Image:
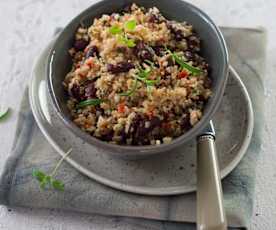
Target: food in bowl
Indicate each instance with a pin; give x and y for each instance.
(137, 78)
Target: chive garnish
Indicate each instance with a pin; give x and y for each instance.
(95, 101)
(149, 63)
(142, 76)
(184, 65)
(5, 113)
(152, 82)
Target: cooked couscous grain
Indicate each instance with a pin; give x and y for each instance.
(137, 78)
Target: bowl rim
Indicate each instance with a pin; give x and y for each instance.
(143, 149)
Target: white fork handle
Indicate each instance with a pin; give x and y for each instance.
(210, 210)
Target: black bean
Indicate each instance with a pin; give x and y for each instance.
(170, 62)
(155, 18)
(209, 69)
(169, 25)
(158, 50)
(92, 51)
(90, 90)
(141, 129)
(142, 51)
(124, 136)
(127, 8)
(107, 137)
(146, 55)
(137, 128)
(194, 43)
(201, 100)
(76, 93)
(120, 67)
(207, 83)
(155, 122)
(122, 49)
(158, 136)
(80, 44)
(205, 66)
(138, 131)
(135, 122)
(178, 35)
(145, 141)
(198, 60)
(185, 122)
(189, 55)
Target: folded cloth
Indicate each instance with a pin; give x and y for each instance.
(31, 150)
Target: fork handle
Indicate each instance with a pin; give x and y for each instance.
(210, 210)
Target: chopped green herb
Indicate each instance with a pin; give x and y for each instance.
(122, 37)
(130, 43)
(149, 63)
(115, 30)
(184, 65)
(46, 180)
(130, 25)
(143, 73)
(149, 90)
(88, 102)
(142, 76)
(126, 41)
(58, 185)
(4, 114)
(195, 92)
(152, 82)
(39, 175)
(131, 91)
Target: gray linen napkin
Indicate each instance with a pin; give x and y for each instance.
(31, 150)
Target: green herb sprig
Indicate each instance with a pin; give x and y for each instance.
(121, 35)
(184, 65)
(48, 180)
(132, 90)
(94, 101)
(4, 114)
(126, 41)
(142, 76)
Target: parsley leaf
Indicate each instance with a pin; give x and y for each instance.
(130, 43)
(122, 37)
(39, 175)
(4, 114)
(48, 181)
(130, 25)
(58, 185)
(126, 41)
(115, 30)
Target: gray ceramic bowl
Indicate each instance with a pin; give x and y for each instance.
(213, 50)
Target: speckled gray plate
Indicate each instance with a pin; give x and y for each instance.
(168, 174)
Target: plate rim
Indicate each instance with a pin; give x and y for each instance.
(176, 190)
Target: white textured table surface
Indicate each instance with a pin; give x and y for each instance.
(25, 28)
